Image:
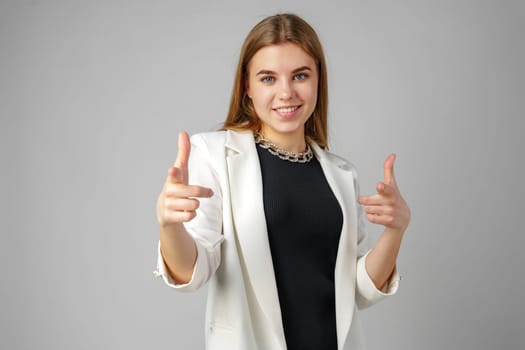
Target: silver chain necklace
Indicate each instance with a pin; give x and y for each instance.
(294, 157)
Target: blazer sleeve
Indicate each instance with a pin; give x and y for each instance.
(206, 227)
(367, 293)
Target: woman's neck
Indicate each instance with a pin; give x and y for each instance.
(292, 142)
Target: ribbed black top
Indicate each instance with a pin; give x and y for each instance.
(304, 223)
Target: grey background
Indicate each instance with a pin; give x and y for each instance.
(93, 94)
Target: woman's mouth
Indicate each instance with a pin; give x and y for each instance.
(287, 111)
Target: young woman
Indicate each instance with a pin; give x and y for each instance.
(269, 218)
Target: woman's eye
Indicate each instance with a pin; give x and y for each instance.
(300, 76)
(267, 79)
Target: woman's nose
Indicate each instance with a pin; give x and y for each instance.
(286, 91)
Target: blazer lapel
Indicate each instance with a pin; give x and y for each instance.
(246, 192)
(338, 173)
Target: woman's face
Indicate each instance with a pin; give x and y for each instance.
(282, 83)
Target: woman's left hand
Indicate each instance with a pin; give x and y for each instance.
(387, 207)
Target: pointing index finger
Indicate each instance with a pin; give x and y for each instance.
(183, 155)
(184, 150)
(388, 168)
(175, 175)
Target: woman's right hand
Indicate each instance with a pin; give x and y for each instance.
(178, 201)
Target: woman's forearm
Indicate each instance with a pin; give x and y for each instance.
(381, 260)
(178, 251)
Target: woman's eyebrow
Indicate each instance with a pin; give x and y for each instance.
(265, 72)
(301, 69)
(269, 72)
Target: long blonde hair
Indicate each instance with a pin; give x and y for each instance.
(274, 30)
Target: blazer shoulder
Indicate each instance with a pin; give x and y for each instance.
(209, 137)
(342, 162)
(209, 142)
(335, 159)
(216, 141)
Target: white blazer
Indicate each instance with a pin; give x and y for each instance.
(233, 252)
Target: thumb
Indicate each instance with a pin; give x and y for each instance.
(388, 168)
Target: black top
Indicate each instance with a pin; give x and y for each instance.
(304, 223)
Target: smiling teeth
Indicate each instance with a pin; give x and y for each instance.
(286, 110)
